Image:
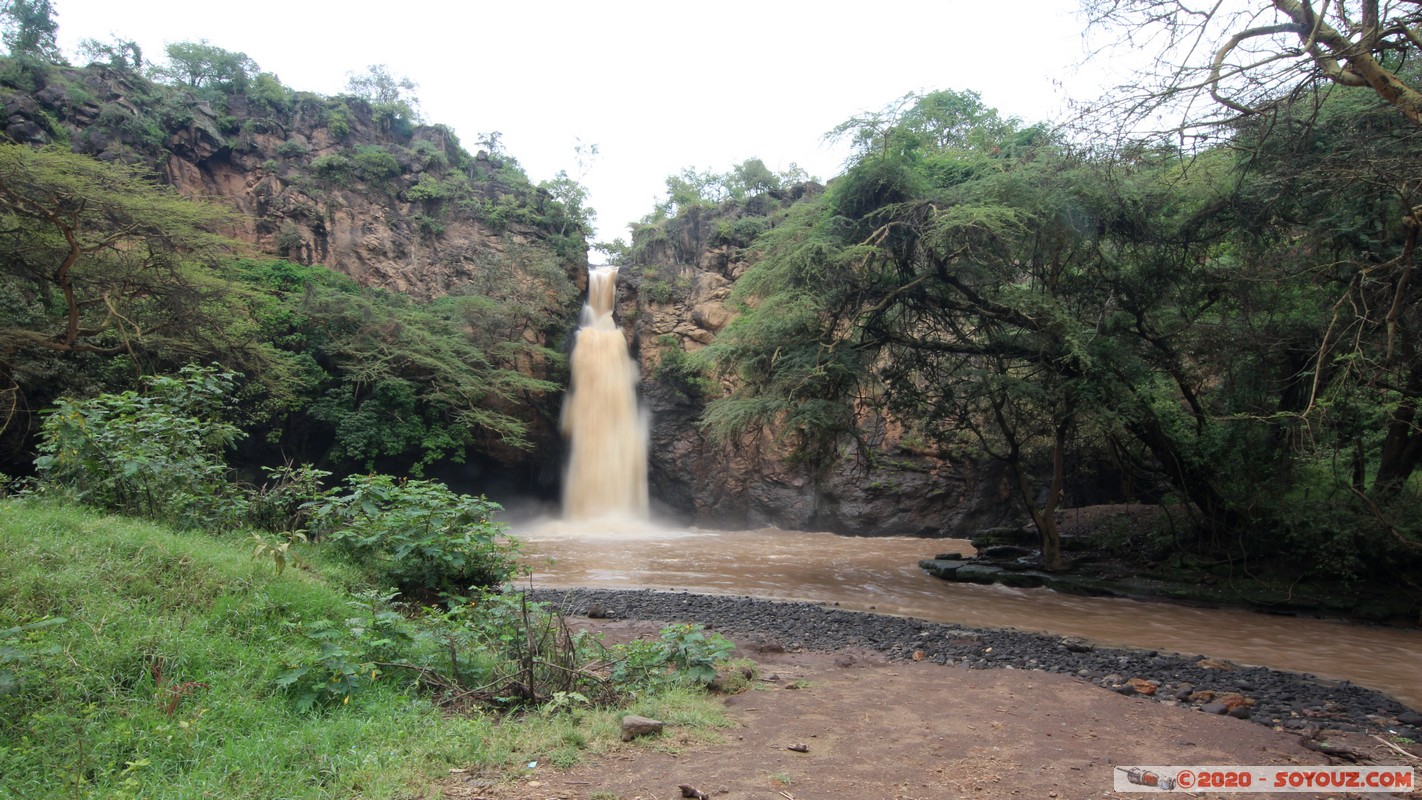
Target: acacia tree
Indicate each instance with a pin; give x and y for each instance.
(1248, 54)
(1324, 99)
(205, 66)
(96, 260)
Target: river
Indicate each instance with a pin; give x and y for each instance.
(882, 575)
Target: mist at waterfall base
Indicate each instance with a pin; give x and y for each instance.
(605, 538)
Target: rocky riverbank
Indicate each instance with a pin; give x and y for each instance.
(1109, 553)
(1279, 699)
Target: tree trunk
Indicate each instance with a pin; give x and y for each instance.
(1402, 447)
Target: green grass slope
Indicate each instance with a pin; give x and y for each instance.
(158, 684)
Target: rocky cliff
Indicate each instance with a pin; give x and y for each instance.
(340, 181)
(350, 183)
(675, 301)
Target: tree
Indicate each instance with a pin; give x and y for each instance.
(1248, 54)
(206, 66)
(30, 30)
(98, 261)
(122, 53)
(377, 85)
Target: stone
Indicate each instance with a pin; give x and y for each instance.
(1233, 700)
(1215, 663)
(634, 726)
(1410, 718)
(1143, 686)
(1076, 644)
(1215, 708)
(1239, 712)
(1184, 691)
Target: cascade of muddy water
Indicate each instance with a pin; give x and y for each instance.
(605, 424)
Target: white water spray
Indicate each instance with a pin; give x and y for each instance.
(605, 425)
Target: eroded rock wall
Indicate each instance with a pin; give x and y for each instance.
(675, 300)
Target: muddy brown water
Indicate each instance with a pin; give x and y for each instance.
(882, 575)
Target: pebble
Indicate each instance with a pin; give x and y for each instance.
(816, 627)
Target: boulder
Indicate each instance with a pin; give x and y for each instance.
(634, 726)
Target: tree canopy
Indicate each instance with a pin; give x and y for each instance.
(1003, 292)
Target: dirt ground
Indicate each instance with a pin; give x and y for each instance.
(878, 730)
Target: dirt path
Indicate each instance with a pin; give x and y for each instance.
(879, 730)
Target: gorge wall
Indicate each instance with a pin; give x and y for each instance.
(355, 185)
(675, 303)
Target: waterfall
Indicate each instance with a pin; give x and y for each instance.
(602, 419)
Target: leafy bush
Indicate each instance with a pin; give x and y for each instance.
(417, 534)
(678, 369)
(375, 163)
(332, 165)
(694, 652)
(292, 148)
(155, 455)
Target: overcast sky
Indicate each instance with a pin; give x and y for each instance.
(658, 86)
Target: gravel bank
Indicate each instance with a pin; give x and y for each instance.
(1284, 699)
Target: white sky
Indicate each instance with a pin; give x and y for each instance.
(658, 86)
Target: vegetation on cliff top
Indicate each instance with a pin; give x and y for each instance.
(112, 277)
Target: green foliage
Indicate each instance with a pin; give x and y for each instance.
(160, 683)
(118, 53)
(332, 166)
(694, 652)
(291, 148)
(677, 369)
(18, 645)
(30, 30)
(417, 534)
(268, 95)
(207, 67)
(374, 163)
(158, 454)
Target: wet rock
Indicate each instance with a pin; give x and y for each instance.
(1239, 712)
(1006, 552)
(1410, 718)
(634, 726)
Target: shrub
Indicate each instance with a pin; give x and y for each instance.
(332, 165)
(375, 163)
(292, 148)
(156, 454)
(417, 534)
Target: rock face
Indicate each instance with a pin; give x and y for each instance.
(334, 181)
(349, 184)
(676, 295)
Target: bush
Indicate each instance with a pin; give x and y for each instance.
(156, 454)
(375, 163)
(292, 148)
(417, 534)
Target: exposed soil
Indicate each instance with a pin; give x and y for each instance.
(874, 728)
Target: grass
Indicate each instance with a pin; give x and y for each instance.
(159, 683)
